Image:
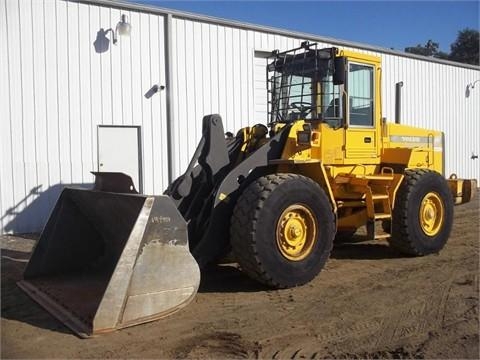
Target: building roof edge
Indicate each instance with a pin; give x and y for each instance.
(248, 26)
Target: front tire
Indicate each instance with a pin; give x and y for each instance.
(282, 230)
(423, 214)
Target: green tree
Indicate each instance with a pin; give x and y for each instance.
(429, 49)
(465, 48)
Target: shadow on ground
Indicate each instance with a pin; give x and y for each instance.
(227, 279)
(358, 248)
(16, 305)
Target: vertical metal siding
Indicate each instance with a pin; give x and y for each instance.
(56, 89)
(434, 97)
(6, 172)
(214, 73)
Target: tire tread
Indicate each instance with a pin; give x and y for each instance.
(245, 219)
(401, 237)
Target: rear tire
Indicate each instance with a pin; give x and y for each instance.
(282, 230)
(423, 214)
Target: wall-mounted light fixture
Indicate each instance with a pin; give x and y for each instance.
(123, 28)
(470, 87)
(102, 42)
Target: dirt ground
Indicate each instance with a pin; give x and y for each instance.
(369, 302)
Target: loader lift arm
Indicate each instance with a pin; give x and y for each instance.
(206, 193)
(193, 191)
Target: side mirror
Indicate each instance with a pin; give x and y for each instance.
(339, 71)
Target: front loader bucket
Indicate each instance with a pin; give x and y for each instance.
(109, 260)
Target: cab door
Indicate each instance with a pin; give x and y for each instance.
(360, 135)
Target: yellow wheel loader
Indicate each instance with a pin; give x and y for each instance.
(326, 164)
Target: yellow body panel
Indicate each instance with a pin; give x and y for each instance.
(413, 147)
(356, 56)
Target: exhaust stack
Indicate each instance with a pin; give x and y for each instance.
(398, 102)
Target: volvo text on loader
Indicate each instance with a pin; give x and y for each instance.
(277, 195)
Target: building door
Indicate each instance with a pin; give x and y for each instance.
(260, 87)
(119, 150)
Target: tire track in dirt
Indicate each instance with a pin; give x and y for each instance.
(221, 345)
(410, 323)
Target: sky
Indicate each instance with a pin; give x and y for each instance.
(390, 24)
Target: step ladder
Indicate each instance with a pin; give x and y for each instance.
(376, 199)
(378, 209)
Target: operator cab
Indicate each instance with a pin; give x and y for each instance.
(331, 89)
(309, 83)
(306, 83)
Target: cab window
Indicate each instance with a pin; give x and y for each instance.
(360, 94)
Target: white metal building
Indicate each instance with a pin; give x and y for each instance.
(72, 102)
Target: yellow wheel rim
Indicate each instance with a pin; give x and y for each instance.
(432, 214)
(296, 232)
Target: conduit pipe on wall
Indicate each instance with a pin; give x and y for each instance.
(169, 93)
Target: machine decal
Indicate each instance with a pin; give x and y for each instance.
(416, 141)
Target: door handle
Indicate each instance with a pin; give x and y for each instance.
(367, 140)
